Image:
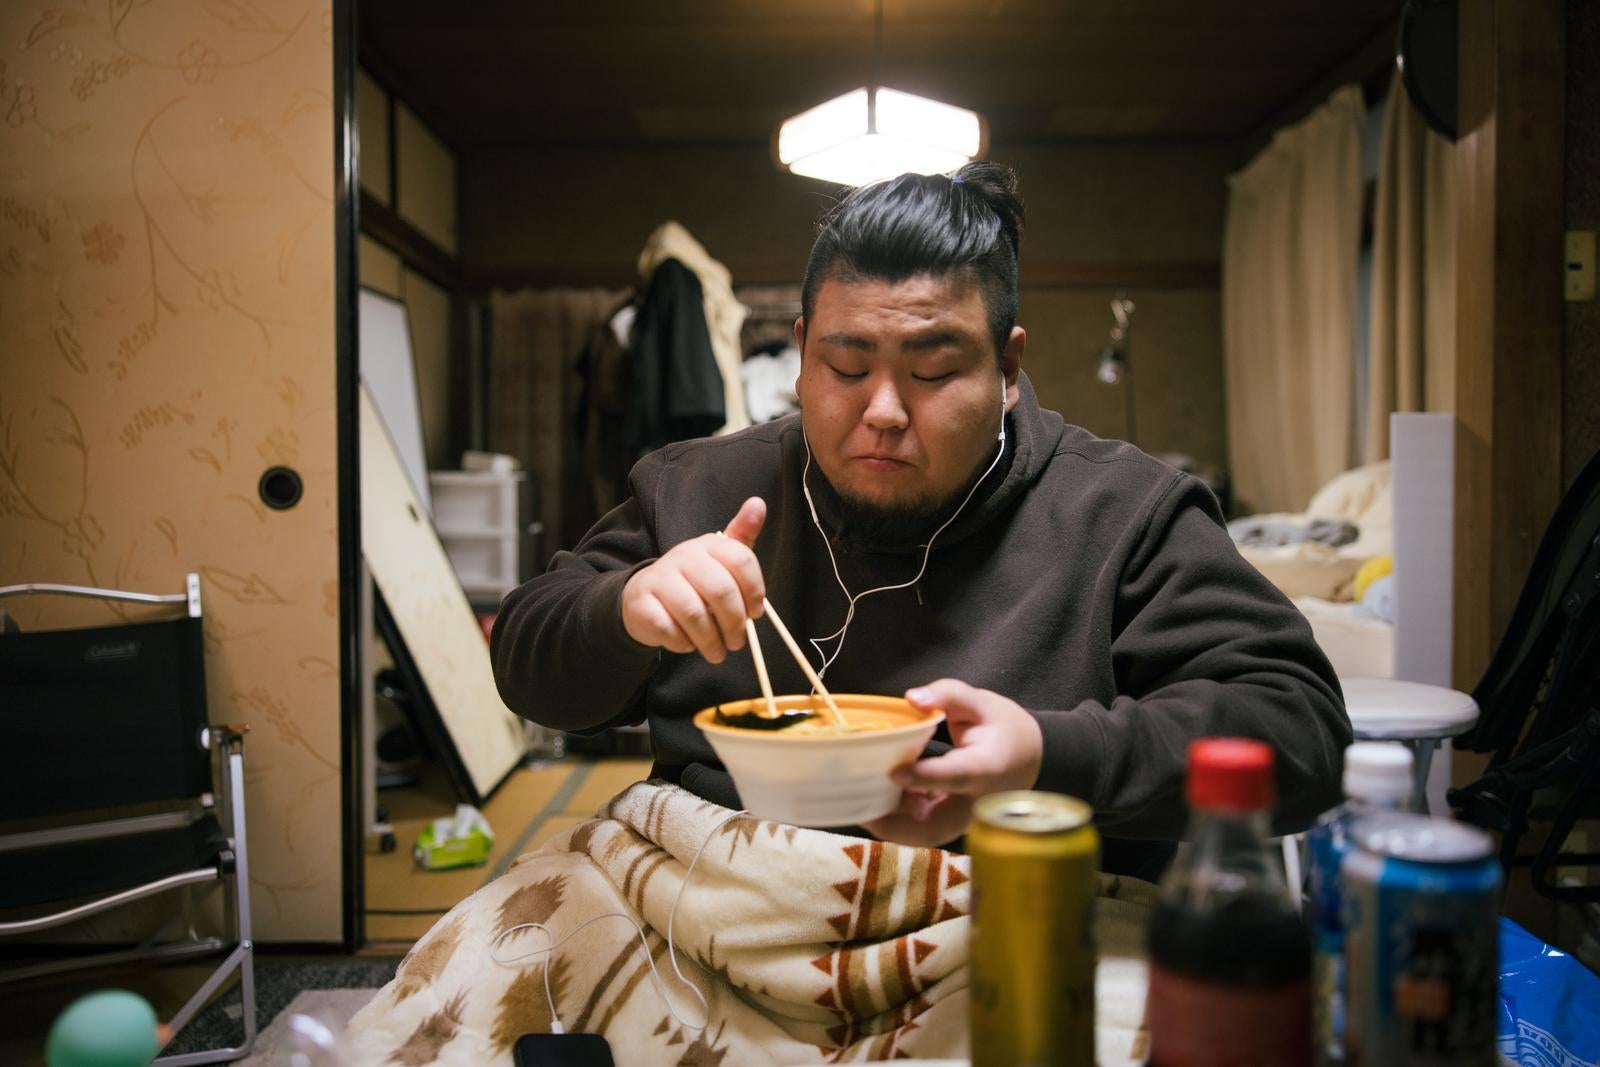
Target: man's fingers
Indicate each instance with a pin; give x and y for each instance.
(689, 611)
(668, 634)
(746, 526)
(721, 595)
(742, 564)
(961, 770)
(958, 700)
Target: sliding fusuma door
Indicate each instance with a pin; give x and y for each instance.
(170, 362)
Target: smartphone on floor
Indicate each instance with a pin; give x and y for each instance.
(562, 1050)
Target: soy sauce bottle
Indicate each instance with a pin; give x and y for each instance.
(1230, 958)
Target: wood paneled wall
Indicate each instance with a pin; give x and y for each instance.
(1510, 165)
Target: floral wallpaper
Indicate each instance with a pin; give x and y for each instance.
(166, 335)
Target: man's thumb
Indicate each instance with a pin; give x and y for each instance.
(746, 526)
(949, 695)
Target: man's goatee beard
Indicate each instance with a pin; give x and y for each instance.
(900, 525)
(893, 524)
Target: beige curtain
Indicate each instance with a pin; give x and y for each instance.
(1411, 346)
(536, 338)
(1289, 307)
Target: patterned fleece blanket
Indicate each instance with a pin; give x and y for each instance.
(809, 947)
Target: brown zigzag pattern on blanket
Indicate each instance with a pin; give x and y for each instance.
(845, 991)
(432, 1034)
(873, 893)
(524, 1009)
(652, 812)
(877, 890)
(678, 1036)
(743, 829)
(534, 903)
(883, 1046)
(903, 970)
(427, 959)
(582, 835)
(891, 1004)
(622, 838)
(708, 963)
(922, 889)
(600, 987)
(650, 865)
(866, 1017)
(704, 1053)
(658, 948)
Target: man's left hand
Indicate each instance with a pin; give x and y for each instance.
(998, 746)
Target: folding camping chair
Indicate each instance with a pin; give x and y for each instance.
(1540, 702)
(93, 722)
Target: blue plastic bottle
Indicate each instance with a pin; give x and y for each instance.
(1377, 777)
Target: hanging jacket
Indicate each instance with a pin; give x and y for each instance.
(675, 389)
(724, 313)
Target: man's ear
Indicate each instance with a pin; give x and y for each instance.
(800, 343)
(1011, 363)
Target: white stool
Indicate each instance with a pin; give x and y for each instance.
(1418, 715)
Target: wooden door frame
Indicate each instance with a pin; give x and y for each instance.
(1510, 172)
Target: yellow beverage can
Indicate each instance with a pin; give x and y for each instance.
(1034, 857)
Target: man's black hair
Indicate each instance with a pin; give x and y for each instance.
(966, 224)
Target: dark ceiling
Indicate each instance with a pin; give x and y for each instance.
(625, 72)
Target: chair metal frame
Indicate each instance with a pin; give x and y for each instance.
(226, 744)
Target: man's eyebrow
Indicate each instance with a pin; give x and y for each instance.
(849, 340)
(931, 340)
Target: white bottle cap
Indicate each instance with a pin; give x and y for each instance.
(1377, 770)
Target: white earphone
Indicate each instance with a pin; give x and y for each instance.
(1002, 410)
(552, 943)
(850, 609)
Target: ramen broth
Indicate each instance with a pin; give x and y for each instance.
(854, 723)
(813, 722)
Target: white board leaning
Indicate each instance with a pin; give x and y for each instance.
(389, 371)
(424, 598)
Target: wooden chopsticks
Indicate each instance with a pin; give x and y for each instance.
(799, 657)
(761, 667)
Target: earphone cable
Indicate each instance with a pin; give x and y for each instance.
(853, 599)
(655, 974)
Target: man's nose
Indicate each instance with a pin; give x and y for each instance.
(885, 410)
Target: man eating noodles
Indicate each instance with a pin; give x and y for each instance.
(1074, 606)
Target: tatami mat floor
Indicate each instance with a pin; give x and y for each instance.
(403, 900)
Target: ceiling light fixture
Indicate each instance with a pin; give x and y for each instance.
(875, 132)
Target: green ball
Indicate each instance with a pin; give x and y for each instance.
(111, 1028)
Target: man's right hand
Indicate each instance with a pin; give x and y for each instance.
(698, 596)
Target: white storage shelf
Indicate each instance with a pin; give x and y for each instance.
(476, 515)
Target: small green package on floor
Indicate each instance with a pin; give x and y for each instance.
(463, 840)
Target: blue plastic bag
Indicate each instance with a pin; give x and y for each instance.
(1549, 1004)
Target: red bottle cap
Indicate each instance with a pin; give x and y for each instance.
(1230, 774)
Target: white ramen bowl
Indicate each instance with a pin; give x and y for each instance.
(825, 778)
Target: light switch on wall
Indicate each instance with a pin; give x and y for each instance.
(1580, 265)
